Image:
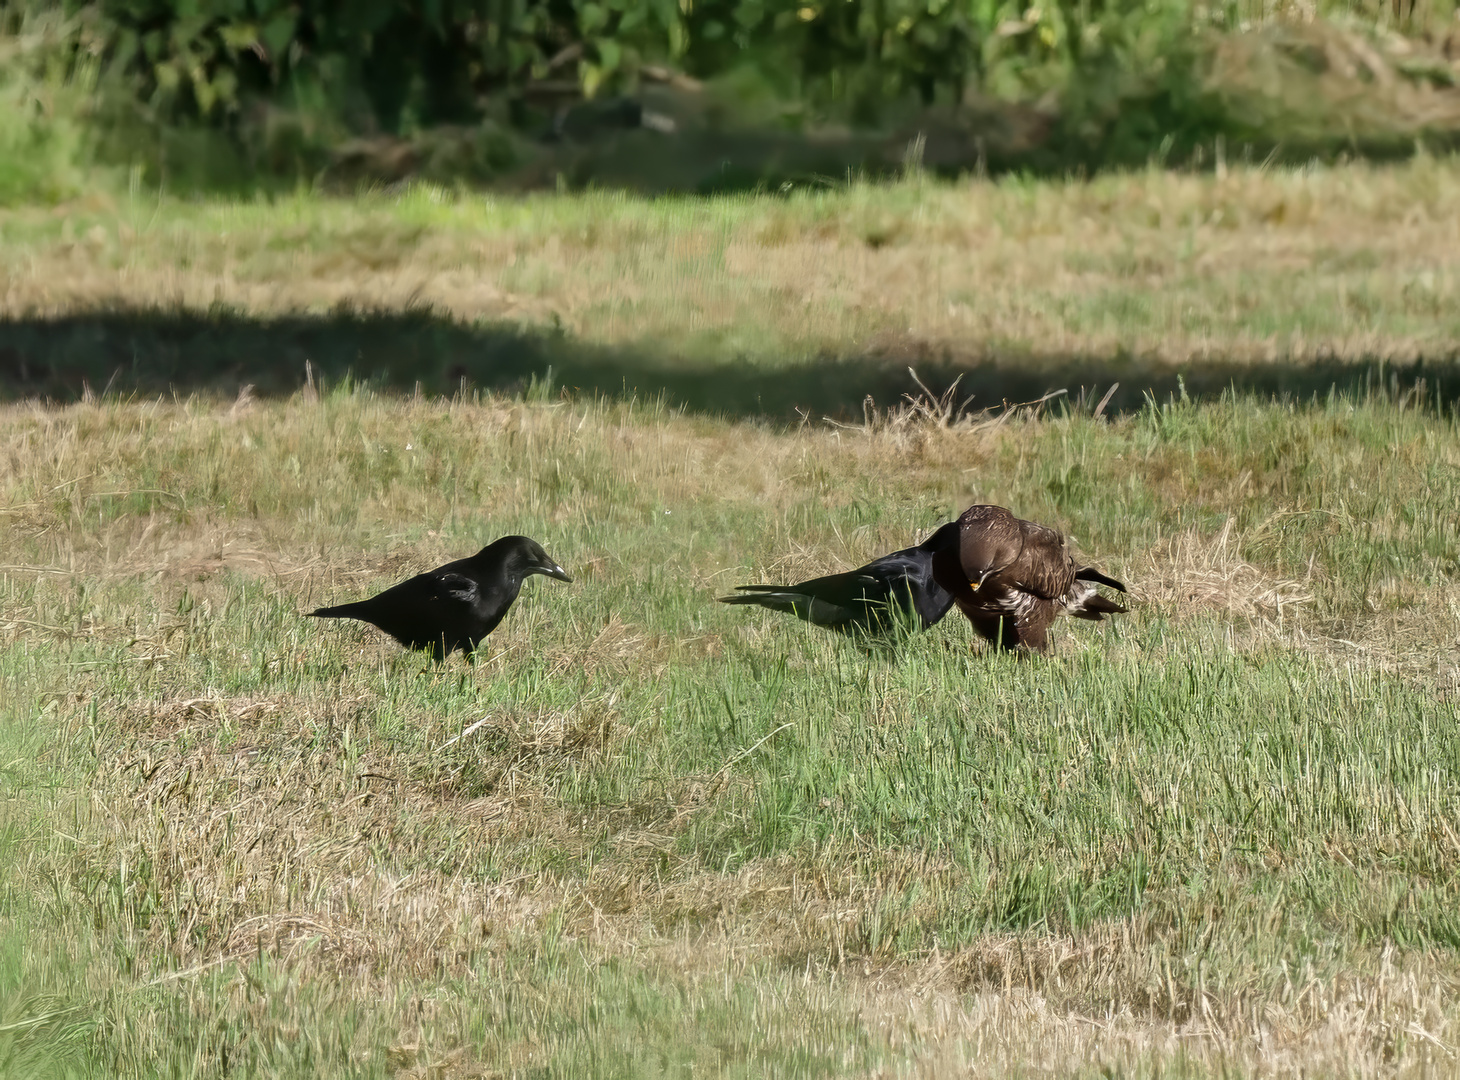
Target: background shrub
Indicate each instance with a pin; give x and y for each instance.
(224, 89)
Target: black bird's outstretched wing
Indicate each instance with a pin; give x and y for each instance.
(838, 601)
(869, 599)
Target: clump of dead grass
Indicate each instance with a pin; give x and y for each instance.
(909, 422)
(1191, 571)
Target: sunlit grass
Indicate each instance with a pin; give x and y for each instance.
(687, 836)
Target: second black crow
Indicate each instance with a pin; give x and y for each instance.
(871, 599)
(456, 605)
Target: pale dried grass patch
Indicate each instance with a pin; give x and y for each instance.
(411, 1061)
(1403, 1028)
(800, 561)
(382, 928)
(619, 647)
(1196, 572)
(200, 553)
(1038, 1003)
(527, 740)
(290, 936)
(908, 423)
(267, 846)
(1420, 643)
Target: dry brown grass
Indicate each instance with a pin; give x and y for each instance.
(1210, 572)
(1355, 262)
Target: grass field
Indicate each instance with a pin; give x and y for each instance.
(646, 834)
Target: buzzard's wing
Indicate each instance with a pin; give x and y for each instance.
(1012, 578)
(1032, 631)
(1044, 567)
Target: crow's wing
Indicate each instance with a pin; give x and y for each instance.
(423, 610)
(907, 576)
(450, 587)
(863, 598)
(858, 599)
(813, 601)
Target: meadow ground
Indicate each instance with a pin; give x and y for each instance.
(646, 834)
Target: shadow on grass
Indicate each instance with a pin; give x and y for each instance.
(149, 353)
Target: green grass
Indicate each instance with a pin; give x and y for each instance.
(646, 834)
(1214, 835)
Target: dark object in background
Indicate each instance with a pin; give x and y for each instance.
(584, 120)
(456, 605)
(1013, 578)
(871, 599)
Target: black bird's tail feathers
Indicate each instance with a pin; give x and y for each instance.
(775, 597)
(339, 611)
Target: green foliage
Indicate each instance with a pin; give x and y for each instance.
(398, 65)
(218, 92)
(43, 131)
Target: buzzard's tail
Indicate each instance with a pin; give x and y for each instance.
(1089, 573)
(1085, 602)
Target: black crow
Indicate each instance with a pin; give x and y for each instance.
(456, 605)
(871, 599)
(1013, 578)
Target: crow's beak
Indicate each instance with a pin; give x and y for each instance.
(553, 570)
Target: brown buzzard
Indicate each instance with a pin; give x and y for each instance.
(1013, 578)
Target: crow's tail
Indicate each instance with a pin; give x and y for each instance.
(775, 597)
(339, 611)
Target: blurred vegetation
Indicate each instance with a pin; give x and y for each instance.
(228, 93)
